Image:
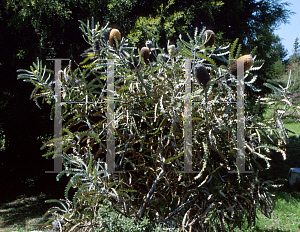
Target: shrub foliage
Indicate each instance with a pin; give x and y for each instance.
(151, 189)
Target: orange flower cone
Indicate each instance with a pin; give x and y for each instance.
(114, 32)
(248, 62)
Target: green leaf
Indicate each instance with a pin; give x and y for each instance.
(173, 158)
(90, 165)
(294, 86)
(238, 51)
(95, 175)
(233, 46)
(207, 58)
(158, 127)
(56, 201)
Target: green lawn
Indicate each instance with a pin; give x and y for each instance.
(286, 216)
(295, 127)
(289, 123)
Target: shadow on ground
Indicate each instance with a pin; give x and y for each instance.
(24, 213)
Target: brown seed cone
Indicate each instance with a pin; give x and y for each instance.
(208, 38)
(248, 62)
(145, 53)
(201, 74)
(112, 39)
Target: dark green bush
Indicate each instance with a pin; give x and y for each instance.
(149, 140)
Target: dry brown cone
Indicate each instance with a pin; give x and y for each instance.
(208, 38)
(248, 62)
(145, 53)
(114, 32)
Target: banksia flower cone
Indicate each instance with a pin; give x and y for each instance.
(145, 53)
(248, 62)
(171, 49)
(114, 32)
(208, 38)
(201, 74)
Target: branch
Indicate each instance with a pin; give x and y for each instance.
(150, 193)
(180, 208)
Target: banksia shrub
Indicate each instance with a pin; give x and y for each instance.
(151, 184)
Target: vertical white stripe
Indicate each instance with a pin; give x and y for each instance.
(110, 156)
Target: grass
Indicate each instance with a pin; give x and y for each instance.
(286, 216)
(289, 122)
(23, 214)
(295, 127)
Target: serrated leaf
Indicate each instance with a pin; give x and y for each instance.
(207, 58)
(233, 46)
(238, 51)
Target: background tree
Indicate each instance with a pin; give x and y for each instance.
(293, 66)
(296, 48)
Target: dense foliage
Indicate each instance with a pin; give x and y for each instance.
(149, 137)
